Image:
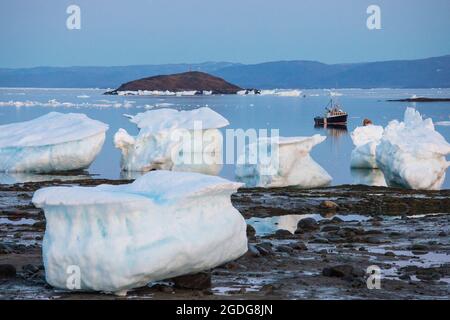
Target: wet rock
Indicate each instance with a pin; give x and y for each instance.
(251, 232)
(253, 251)
(329, 205)
(233, 265)
(389, 254)
(329, 228)
(264, 248)
(300, 246)
(198, 281)
(30, 269)
(307, 224)
(317, 239)
(442, 234)
(7, 271)
(270, 288)
(373, 240)
(335, 239)
(345, 271)
(163, 288)
(405, 277)
(40, 225)
(430, 276)
(372, 232)
(336, 220)
(283, 234)
(395, 234)
(328, 215)
(418, 248)
(357, 283)
(5, 249)
(286, 249)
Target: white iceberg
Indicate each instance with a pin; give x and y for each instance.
(366, 140)
(162, 225)
(173, 140)
(280, 162)
(53, 142)
(412, 154)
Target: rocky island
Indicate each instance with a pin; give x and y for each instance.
(190, 83)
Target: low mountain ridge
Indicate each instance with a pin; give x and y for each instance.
(421, 73)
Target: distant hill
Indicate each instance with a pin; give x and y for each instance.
(95, 77)
(186, 81)
(422, 73)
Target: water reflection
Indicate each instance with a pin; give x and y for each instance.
(267, 226)
(369, 177)
(210, 169)
(334, 131)
(22, 177)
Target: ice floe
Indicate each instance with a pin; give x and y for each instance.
(412, 154)
(173, 140)
(161, 93)
(282, 92)
(53, 142)
(53, 103)
(366, 140)
(281, 161)
(162, 225)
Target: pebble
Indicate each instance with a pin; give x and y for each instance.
(330, 205)
(198, 281)
(7, 271)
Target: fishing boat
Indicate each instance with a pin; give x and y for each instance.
(334, 115)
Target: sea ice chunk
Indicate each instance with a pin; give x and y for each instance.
(366, 140)
(281, 161)
(173, 140)
(412, 154)
(162, 225)
(53, 142)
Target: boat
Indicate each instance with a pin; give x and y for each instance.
(334, 116)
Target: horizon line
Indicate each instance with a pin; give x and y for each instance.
(206, 62)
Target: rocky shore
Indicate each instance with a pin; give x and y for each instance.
(303, 244)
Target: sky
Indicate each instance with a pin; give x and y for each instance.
(133, 32)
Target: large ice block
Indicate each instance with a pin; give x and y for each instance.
(412, 153)
(173, 140)
(162, 225)
(53, 142)
(366, 140)
(280, 162)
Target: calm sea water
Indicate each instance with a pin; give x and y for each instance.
(293, 116)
